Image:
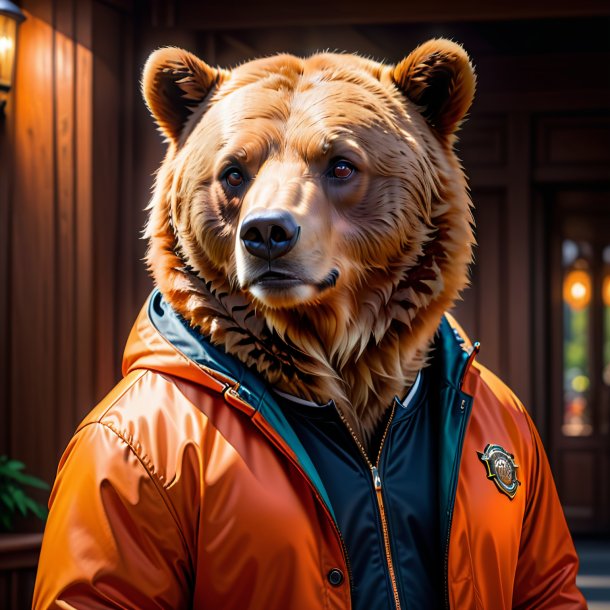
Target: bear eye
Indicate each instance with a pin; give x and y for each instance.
(342, 170)
(233, 177)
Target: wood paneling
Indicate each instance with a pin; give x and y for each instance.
(84, 323)
(496, 151)
(572, 148)
(484, 303)
(16, 587)
(560, 141)
(67, 259)
(33, 381)
(65, 204)
(106, 187)
(18, 559)
(518, 339)
(6, 157)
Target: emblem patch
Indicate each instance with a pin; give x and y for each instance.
(501, 469)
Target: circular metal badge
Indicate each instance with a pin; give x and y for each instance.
(501, 469)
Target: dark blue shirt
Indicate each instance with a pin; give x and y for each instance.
(409, 487)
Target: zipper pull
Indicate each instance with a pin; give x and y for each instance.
(376, 478)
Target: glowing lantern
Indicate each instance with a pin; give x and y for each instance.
(577, 289)
(10, 17)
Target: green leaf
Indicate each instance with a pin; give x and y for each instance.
(14, 465)
(13, 497)
(7, 500)
(27, 479)
(38, 509)
(20, 497)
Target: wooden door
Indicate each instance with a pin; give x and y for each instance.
(580, 355)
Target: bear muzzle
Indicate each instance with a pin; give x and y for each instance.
(269, 234)
(266, 236)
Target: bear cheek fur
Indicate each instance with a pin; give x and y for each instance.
(205, 215)
(386, 228)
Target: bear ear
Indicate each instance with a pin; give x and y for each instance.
(174, 83)
(438, 77)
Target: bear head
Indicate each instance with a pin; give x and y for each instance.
(311, 216)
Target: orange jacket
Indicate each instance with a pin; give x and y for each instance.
(181, 489)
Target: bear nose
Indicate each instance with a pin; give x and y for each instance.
(269, 234)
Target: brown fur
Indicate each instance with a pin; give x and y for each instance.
(399, 232)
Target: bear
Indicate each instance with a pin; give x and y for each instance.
(323, 342)
(301, 423)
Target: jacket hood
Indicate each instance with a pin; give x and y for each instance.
(162, 341)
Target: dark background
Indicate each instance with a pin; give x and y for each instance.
(78, 151)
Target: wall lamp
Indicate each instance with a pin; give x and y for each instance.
(10, 18)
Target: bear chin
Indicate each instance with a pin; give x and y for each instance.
(284, 294)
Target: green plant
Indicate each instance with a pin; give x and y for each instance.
(13, 498)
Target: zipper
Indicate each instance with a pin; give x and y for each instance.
(377, 486)
(453, 493)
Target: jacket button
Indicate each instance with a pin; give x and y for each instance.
(335, 577)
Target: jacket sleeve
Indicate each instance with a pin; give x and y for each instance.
(111, 540)
(548, 564)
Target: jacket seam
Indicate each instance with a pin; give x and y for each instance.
(153, 476)
(128, 388)
(133, 443)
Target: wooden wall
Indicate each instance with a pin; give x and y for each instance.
(39, 254)
(69, 243)
(69, 237)
(68, 247)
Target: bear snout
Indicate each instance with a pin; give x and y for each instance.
(269, 234)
